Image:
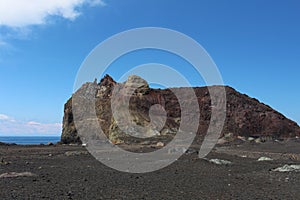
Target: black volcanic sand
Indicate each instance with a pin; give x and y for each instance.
(78, 175)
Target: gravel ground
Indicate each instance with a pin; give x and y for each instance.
(55, 174)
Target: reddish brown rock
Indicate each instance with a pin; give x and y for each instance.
(245, 116)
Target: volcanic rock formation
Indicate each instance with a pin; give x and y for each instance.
(245, 116)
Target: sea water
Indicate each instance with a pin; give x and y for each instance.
(27, 140)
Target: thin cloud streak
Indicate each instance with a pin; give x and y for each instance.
(11, 126)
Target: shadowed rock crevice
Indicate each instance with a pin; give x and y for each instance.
(245, 116)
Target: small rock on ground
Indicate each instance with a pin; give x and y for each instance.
(288, 168)
(220, 162)
(160, 144)
(75, 153)
(15, 174)
(264, 159)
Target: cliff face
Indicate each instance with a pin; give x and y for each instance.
(245, 116)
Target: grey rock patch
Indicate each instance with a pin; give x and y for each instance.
(220, 162)
(175, 150)
(76, 153)
(287, 168)
(264, 159)
(16, 174)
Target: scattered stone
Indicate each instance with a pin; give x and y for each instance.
(241, 138)
(222, 141)
(264, 159)
(152, 133)
(191, 151)
(70, 193)
(228, 136)
(117, 141)
(84, 144)
(220, 162)
(169, 131)
(160, 144)
(175, 150)
(15, 174)
(3, 162)
(50, 155)
(50, 144)
(288, 168)
(278, 140)
(257, 140)
(250, 139)
(73, 144)
(76, 153)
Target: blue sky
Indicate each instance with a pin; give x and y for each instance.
(255, 44)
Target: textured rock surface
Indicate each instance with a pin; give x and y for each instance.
(245, 116)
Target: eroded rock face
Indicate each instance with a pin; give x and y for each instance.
(245, 116)
(137, 82)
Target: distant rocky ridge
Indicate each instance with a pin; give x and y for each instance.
(245, 116)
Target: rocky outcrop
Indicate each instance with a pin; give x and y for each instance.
(245, 116)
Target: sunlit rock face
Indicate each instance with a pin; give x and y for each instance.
(156, 113)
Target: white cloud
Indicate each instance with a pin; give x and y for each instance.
(4, 117)
(10, 126)
(22, 13)
(33, 123)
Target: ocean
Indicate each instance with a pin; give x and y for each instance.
(28, 140)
